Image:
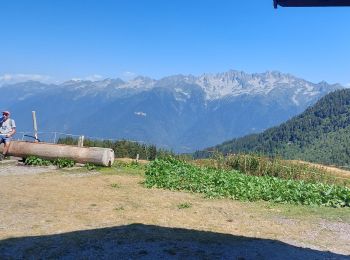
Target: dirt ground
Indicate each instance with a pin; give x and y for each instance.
(47, 213)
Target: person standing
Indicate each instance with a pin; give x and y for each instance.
(7, 130)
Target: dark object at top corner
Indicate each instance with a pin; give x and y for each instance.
(310, 3)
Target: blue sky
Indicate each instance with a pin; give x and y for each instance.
(59, 40)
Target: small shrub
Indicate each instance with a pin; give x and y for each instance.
(63, 163)
(90, 166)
(184, 205)
(36, 161)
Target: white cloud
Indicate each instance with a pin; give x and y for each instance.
(15, 78)
(347, 85)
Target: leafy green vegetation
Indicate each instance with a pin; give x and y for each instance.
(91, 166)
(179, 175)
(63, 163)
(320, 134)
(60, 162)
(36, 161)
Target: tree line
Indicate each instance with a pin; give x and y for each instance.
(122, 148)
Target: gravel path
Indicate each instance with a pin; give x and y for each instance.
(20, 169)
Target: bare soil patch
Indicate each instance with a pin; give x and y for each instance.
(20, 169)
(129, 160)
(57, 215)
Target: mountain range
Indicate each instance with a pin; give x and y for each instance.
(181, 113)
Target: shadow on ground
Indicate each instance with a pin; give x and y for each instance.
(153, 242)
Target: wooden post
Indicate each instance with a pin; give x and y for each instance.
(35, 126)
(137, 158)
(81, 141)
(54, 138)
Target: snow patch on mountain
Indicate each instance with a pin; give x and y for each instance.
(181, 95)
(236, 83)
(214, 86)
(139, 83)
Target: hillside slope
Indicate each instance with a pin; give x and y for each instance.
(320, 134)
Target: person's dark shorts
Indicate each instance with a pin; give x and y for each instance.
(4, 139)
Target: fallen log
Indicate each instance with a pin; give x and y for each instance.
(95, 155)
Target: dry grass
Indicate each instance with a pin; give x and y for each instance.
(320, 172)
(330, 169)
(55, 203)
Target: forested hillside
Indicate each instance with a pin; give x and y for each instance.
(320, 134)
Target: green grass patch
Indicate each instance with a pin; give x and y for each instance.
(179, 175)
(129, 165)
(313, 212)
(115, 185)
(120, 167)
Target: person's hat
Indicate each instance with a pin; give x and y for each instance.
(6, 113)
